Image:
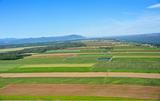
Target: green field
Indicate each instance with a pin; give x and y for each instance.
(125, 57)
(70, 98)
(78, 51)
(81, 80)
(139, 64)
(118, 66)
(49, 69)
(144, 65)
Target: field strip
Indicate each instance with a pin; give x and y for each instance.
(135, 49)
(80, 74)
(136, 56)
(17, 49)
(57, 65)
(51, 55)
(67, 53)
(131, 50)
(62, 54)
(134, 52)
(126, 91)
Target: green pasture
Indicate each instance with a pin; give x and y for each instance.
(6, 65)
(128, 64)
(48, 69)
(129, 59)
(16, 49)
(133, 46)
(63, 51)
(125, 58)
(135, 53)
(98, 55)
(78, 51)
(137, 67)
(136, 49)
(10, 49)
(114, 66)
(70, 98)
(80, 80)
(145, 62)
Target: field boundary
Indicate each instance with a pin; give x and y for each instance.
(80, 74)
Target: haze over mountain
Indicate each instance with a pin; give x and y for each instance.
(7, 41)
(153, 38)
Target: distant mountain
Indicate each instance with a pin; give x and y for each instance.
(8, 41)
(153, 38)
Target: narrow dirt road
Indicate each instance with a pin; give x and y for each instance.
(84, 74)
(127, 91)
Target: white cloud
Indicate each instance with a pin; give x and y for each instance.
(155, 6)
(140, 25)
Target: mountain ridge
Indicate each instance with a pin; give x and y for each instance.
(152, 38)
(7, 41)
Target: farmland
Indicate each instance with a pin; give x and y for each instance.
(100, 66)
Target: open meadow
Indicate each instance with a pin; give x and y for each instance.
(99, 71)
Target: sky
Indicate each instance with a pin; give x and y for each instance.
(90, 18)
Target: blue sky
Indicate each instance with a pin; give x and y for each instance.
(92, 18)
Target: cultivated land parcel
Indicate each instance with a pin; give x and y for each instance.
(102, 70)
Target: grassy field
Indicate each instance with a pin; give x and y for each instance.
(81, 80)
(70, 98)
(117, 66)
(126, 57)
(16, 49)
(48, 69)
(100, 67)
(141, 65)
(63, 51)
(78, 51)
(58, 65)
(135, 53)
